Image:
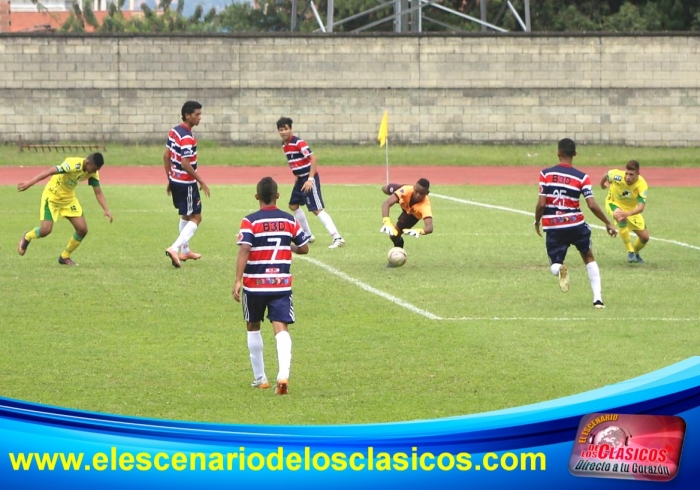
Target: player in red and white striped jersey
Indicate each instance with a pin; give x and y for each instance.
(558, 209)
(307, 187)
(267, 239)
(180, 163)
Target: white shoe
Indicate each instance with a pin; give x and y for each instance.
(312, 239)
(337, 243)
(261, 383)
(563, 279)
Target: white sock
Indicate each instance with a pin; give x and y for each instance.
(255, 346)
(555, 268)
(328, 223)
(185, 235)
(594, 278)
(301, 219)
(284, 354)
(185, 246)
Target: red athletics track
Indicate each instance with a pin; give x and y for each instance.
(656, 177)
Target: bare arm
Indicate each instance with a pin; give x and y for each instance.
(303, 250)
(241, 262)
(428, 225)
(23, 186)
(99, 195)
(621, 215)
(604, 182)
(306, 187)
(166, 162)
(391, 200)
(190, 171)
(166, 166)
(593, 206)
(539, 212)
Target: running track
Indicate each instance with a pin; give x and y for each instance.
(657, 177)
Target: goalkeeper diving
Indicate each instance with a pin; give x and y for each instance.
(415, 206)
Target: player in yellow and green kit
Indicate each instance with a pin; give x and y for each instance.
(627, 197)
(59, 201)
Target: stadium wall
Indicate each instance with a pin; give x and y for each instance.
(608, 89)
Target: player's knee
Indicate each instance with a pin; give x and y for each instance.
(82, 232)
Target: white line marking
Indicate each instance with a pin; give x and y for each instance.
(370, 289)
(431, 316)
(573, 319)
(532, 214)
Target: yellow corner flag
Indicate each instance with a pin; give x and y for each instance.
(383, 129)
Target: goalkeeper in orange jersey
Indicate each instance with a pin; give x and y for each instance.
(415, 205)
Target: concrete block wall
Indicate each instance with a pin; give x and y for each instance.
(480, 89)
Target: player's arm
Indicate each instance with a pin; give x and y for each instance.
(99, 195)
(390, 201)
(605, 182)
(241, 262)
(23, 186)
(308, 185)
(303, 250)
(166, 166)
(539, 212)
(427, 225)
(593, 206)
(187, 167)
(387, 226)
(621, 215)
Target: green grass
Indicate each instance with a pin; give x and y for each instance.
(334, 155)
(127, 333)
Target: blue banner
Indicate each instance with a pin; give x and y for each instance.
(524, 447)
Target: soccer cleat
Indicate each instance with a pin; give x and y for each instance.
(598, 305)
(23, 244)
(190, 256)
(563, 279)
(66, 261)
(282, 387)
(639, 259)
(312, 239)
(337, 243)
(173, 257)
(261, 383)
(632, 257)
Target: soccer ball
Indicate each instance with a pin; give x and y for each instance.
(396, 256)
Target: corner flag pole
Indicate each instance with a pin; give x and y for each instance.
(383, 138)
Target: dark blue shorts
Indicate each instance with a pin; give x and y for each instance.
(280, 307)
(186, 198)
(559, 241)
(313, 200)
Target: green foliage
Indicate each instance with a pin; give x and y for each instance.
(275, 16)
(272, 16)
(125, 332)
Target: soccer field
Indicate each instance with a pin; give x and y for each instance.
(473, 322)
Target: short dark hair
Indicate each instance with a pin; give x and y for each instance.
(632, 165)
(424, 183)
(189, 107)
(97, 159)
(284, 121)
(267, 188)
(567, 147)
